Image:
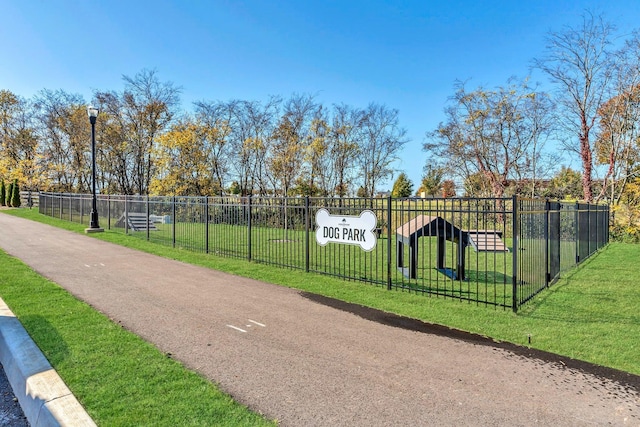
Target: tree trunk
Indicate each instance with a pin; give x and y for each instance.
(587, 165)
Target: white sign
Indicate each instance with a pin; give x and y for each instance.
(352, 230)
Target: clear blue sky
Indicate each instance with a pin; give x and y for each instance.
(405, 54)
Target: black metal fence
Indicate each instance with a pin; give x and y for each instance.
(498, 252)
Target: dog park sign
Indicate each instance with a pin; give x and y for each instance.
(351, 230)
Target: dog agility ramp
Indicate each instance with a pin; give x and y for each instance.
(486, 240)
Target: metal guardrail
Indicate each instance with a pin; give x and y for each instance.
(497, 252)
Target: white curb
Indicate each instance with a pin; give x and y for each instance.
(45, 399)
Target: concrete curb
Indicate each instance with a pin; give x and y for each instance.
(45, 399)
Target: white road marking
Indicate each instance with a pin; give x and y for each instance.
(257, 323)
(87, 265)
(236, 328)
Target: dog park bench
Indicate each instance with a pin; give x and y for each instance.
(136, 222)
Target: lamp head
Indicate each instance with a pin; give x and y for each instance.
(92, 112)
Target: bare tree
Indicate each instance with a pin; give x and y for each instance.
(578, 61)
(494, 132)
(63, 131)
(317, 174)
(115, 158)
(216, 122)
(19, 145)
(345, 140)
(382, 139)
(132, 121)
(288, 141)
(617, 144)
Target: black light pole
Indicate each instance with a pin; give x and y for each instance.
(94, 226)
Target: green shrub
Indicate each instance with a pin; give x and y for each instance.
(8, 194)
(624, 234)
(15, 196)
(3, 194)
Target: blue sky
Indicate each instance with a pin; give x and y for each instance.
(406, 55)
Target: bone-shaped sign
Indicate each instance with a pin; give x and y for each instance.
(352, 230)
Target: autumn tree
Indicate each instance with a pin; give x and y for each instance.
(235, 189)
(402, 187)
(288, 142)
(431, 184)
(183, 157)
(448, 188)
(617, 144)
(9, 108)
(566, 184)
(626, 214)
(345, 141)
(132, 121)
(492, 132)
(215, 122)
(578, 61)
(316, 173)
(251, 143)
(20, 156)
(477, 185)
(64, 133)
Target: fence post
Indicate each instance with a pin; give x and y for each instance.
(206, 224)
(108, 211)
(605, 225)
(589, 228)
(516, 231)
(147, 211)
(126, 214)
(306, 233)
(577, 232)
(389, 242)
(249, 215)
(546, 243)
(174, 220)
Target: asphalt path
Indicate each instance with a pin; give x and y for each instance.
(306, 360)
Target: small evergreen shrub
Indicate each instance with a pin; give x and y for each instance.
(3, 194)
(15, 197)
(8, 194)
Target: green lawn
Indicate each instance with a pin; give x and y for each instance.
(488, 274)
(591, 314)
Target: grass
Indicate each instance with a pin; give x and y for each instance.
(591, 314)
(120, 379)
(288, 247)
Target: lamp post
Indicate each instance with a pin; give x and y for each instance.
(94, 226)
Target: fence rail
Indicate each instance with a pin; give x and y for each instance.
(498, 252)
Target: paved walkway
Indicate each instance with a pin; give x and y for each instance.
(313, 361)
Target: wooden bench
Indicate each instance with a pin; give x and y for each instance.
(136, 222)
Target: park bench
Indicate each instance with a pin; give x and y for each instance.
(136, 222)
